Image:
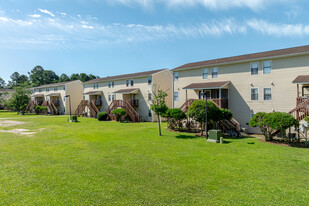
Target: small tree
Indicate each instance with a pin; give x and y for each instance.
(102, 116)
(271, 122)
(158, 105)
(119, 113)
(20, 99)
(175, 116)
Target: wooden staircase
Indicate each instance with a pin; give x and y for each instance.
(126, 106)
(51, 107)
(227, 125)
(30, 107)
(84, 104)
(300, 111)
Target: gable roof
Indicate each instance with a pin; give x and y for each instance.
(207, 85)
(124, 76)
(247, 57)
(53, 84)
(301, 79)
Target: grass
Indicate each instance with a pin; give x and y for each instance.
(110, 163)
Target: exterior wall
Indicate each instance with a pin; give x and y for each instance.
(284, 93)
(6, 94)
(164, 80)
(75, 90)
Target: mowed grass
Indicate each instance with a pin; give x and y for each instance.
(110, 163)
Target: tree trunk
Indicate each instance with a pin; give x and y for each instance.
(159, 125)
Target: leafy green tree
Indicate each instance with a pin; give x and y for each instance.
(18, 80)
(271, 122)
(91, 76)
(74, 77)
(175, 116)
(64, 78)
(50, 76)
(119, 113)
(20, 99)
(158, 105)
(36, 76)
(84, 77)
(2, 83)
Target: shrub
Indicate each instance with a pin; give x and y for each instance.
(102, 116)
(271, 122)
(119, 113)
(175, 116)
(40, 110)
(74, 118)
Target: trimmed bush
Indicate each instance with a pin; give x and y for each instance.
(119, 113)
(102, 116)
(40, 110)
(74, 118)
(174, 117)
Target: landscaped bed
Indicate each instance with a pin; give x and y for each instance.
(112, 163)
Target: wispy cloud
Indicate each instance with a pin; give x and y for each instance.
(87, 31)
(45, 11)
(35, 15)
(209, 4)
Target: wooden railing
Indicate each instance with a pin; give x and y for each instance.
(222, 103)
(131, 111)
(126, 106)
(98, 102)
(133, 102)
(186, 105)
(56, 102)
(301, 110)
(300, 100)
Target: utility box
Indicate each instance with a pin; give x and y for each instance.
(214, 136)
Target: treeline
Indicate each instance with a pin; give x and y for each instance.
(39, 76)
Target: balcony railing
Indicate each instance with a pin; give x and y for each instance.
(223, 103)
(300, 100)
(98, 102)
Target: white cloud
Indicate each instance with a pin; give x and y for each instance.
(5, 19)
(45, 11)
(87, 27)
(35, 15)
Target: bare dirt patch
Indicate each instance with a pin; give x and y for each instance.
(10, 123)
(19, 131)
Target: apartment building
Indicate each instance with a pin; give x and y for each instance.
(57, 97)
(133, 92)
(246, 84)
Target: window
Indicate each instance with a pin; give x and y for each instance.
(113, 84)
(251, 114)
(64, 88)
(267, 67)
(47, 89)
(132, 82)
(149, 96)
(254, 94)
(109, 97)
(95, 86)
(113, 97)
(109, 84)
(84, 98)
(214, 73)
(267, 94)
(40, 90)
(149, 80)
(205, 73)
(149, 113)
(176, 76)
(55, 89)
(127, 83)
(176, 96)
(254, 68)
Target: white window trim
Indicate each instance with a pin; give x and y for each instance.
(257, 93)
(271, 66)
(271, 92)
(251, 68)
(212, 72)
(207, 73)
(177, 96)
(176, 80)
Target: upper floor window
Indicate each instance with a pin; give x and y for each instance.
(149, 80)
(214, 72)
(267, 94)
(109, 97)
(132, 82)
(40, 90)
(254, 68)
(63, 87)
(127, 82)
(47, 89)
(176, 76)
(95, 86)
(205, 73)
(111, 84)
(267, 67)
(176, 96)
(254, 94)
(55, 89)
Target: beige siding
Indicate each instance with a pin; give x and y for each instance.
(284, 71)
(75, 90)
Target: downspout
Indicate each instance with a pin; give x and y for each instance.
(173, 103)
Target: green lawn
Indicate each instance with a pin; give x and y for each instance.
(110, 163)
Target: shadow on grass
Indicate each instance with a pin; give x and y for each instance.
(183, 136)
(241, 137)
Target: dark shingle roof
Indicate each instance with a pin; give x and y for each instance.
(53, 85)
(280, 52)
(301, 79)
(206, 85)
(124, 76)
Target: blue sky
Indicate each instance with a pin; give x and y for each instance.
(110, 37)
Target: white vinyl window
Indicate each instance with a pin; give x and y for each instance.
(149, 113)
(47, 89)
(56, 89)
(176, 96)
(267, 67)
(176, 76)
(113, 97)
(127, 82)
(132, 82)
(109, 84)
(254, 68)
(267, 94)
(149, 80)
(109, 97)
(254, 94)
(214, 72)
(205, 73)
